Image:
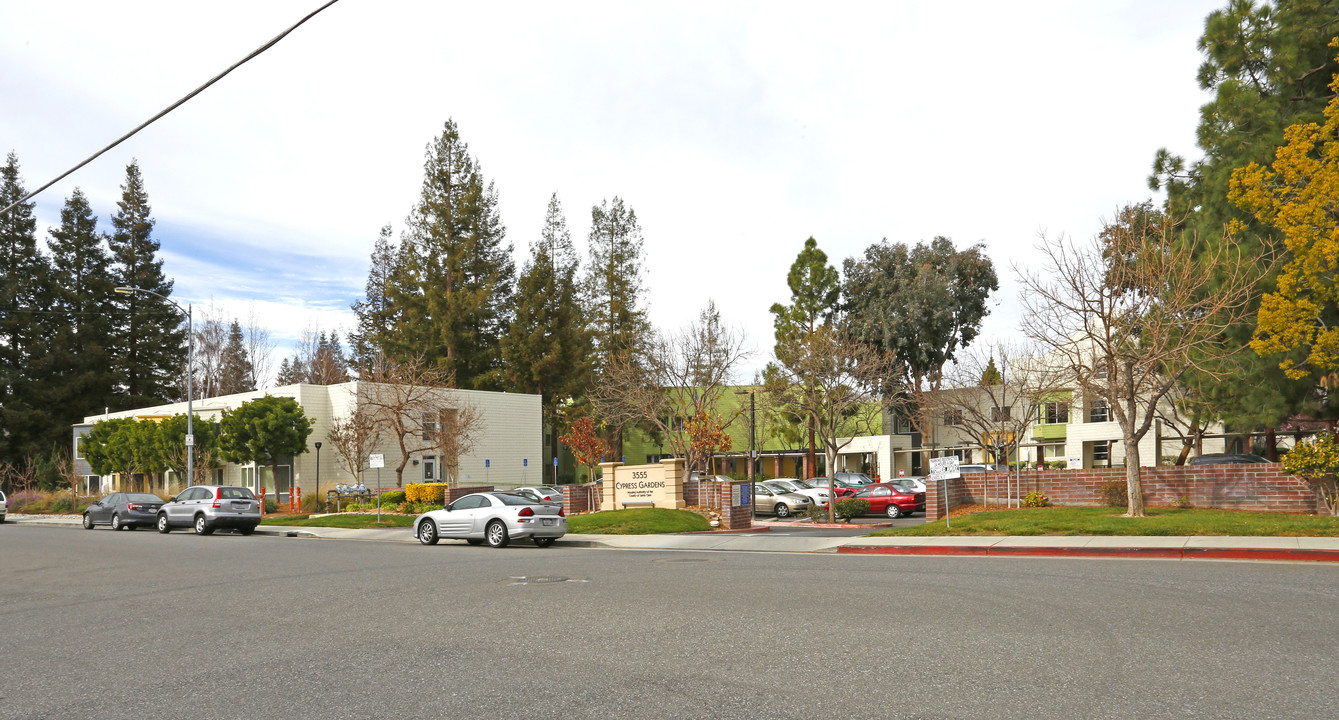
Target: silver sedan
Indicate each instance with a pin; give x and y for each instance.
(496, 518)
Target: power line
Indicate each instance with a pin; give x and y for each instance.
(171, 107)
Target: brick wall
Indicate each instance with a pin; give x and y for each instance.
(452, 493)
(1262, 486)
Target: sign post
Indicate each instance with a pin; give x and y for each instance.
(943, 469)
(378, 461)
(487, 464)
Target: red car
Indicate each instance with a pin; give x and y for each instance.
(843, 488)
(892, 499)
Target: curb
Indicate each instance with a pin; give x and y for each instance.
(1176, 553)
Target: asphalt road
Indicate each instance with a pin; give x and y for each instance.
(134, 624)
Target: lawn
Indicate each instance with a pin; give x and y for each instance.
(1109, 521)
(345, 520)
(638, 521)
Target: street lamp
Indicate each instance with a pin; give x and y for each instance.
(318, 472)
(190, 361)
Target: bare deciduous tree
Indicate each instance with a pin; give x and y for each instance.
(413, 404)
(679, 377)
(832, 383)
(1126, 315)
(259, 349)
(355, 436)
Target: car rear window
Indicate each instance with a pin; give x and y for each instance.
(510, 499)
(235, 493)
(142, 497)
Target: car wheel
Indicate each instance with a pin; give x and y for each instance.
(246, 529)
(88, 522)
(496, 534)
(427, 532)
(202, 526)
(116, 522)
(894, 512)
(474, 541)
(544, 542)
(163, 527)
(781, 510)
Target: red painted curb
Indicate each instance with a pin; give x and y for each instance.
(1107, 552)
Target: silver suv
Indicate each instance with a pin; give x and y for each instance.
(209, 507)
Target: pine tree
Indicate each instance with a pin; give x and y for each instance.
(150, 345)
(376, 315)
(25, 298)
(453, 286)
(289, 373)
(614, 290)
(547, 348)
(84, 381)
(235, 367)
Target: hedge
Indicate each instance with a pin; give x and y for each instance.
(425, 493)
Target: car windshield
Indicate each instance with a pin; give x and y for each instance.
(803, 485)
(142, 498)
(513, 499)
(902, 487)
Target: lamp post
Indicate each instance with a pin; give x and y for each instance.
(190, 361)
(318, 472)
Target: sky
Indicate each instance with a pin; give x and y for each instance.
(734, 130)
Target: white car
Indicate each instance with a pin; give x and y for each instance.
(545, 493)
(915, 482)
(4, 506)
(496, 518)
(817, 496)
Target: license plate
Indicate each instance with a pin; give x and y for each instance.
(548, 522)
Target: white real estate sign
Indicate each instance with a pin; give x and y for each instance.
(944, 468)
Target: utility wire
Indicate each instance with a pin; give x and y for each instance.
(171, 107)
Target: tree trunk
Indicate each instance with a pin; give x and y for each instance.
(831, 456)
(1134, 486)
(1271, 445)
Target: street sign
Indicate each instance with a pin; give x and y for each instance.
(944, 468)
(555, 462)
(376, 460)
(190, 440)
(488, 463)
(525, 462)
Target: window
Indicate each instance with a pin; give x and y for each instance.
(429, 427)
(79, 447)
(1100, 369)
(218, 476)
(1098, 412)
(1102, 452)
(998, 414)
(429, 467)
(1057, 413)
(952, 417)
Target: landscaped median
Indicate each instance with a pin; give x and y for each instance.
(637, 521)
(1104, 532)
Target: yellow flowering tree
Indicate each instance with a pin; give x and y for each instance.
(1299, 195)
(1317, 462)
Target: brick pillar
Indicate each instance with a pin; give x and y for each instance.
(734, 517)
(674, 481)
(934, 501)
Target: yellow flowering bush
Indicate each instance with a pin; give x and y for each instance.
(1317, 462)
(425, 493)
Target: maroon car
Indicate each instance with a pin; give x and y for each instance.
(892, 499)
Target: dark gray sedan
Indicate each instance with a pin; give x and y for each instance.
(123, 510)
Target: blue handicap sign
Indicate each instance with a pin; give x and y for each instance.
(555, 462)
(525, 462)
(487, 463)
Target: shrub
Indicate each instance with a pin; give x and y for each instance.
(271, 505)
(1317, 462)
(1057, 465)
(1036, 499)
(394, 497)
(852, 507)
(1114, 493)
(426, 493)
(1183, 502)
(312, 504)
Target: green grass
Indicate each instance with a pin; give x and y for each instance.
(638, 521)
(348, 520)
(1109, 521)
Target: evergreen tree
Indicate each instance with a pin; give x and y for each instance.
(547, 348)
(614, 291)
(453, 289)
(235, 367)
(289, 373)
(1268, 66)
(84, 381)
(25, 298)
(150, 344)
(991, 375)
(376, 316)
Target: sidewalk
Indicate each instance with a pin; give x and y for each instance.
(1312, 549)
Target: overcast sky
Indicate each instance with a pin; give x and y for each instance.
(735, 130)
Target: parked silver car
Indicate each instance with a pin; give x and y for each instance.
(210, 507)
(493, 517)
(781, 504)
(544, 493)
(799, 487)
(4, 506)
